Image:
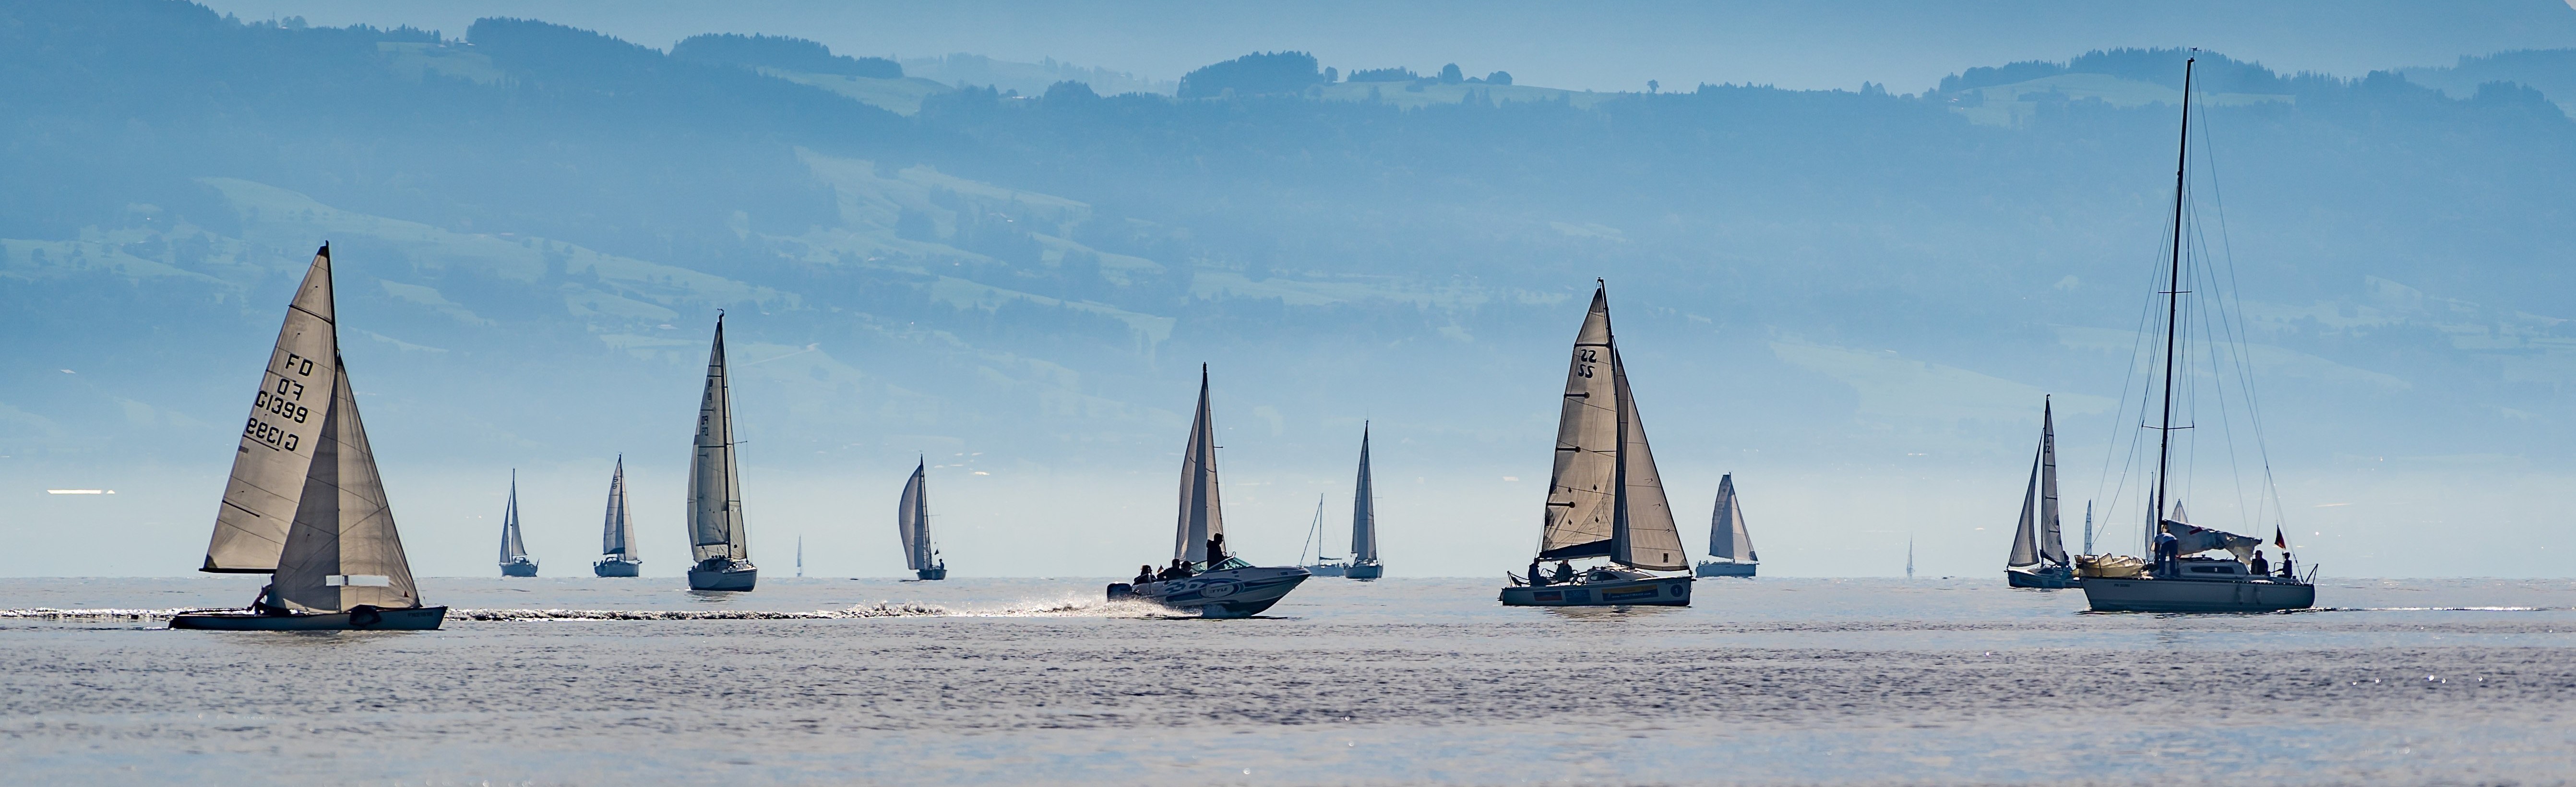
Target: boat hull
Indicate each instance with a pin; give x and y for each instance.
(1364, 571)
(618, 568)
(1229, 593)
(361, 619)
(929, 574)
(2169, 594)
(1719, 569)
(1648, 592)
(1325, 570)
(2042, 579)
(519, 569)
(725, 579)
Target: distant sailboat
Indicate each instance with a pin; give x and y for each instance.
(616, 541)
(800, 556)
(1728, 543)
(1364, 563)
(1215, 585)
(1909, 557)
(514, 552)
(1323, 566)
(716, 538)
(1605, 498)
(2038, 558)
(304, 503)
(912, 521)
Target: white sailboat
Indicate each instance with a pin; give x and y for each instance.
(1605, 498)
(2038, 558)
(616, 541)
(1203, 577)
(912, 521)
(2176, 580)
(1364, 563)
(1323, 565)
(514, 552)
(717, 543)
(1730, 548)
(304, 503)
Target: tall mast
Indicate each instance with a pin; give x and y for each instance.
(1619, 463)
(2173, 308)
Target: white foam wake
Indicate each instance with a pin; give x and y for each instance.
(1060, 607)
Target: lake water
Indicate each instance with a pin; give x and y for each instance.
(1397, 681)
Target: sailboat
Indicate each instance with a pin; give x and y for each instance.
(1605, 498)
(1208, 581)
(2180, 582)
(716, 539)
(912, 521)
(1364, 563)
(514, 552)
(1314, 545)
(1730, 548)
(305, 503)
(2038, 558)
(616, 542)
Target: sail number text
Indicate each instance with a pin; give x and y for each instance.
(1584, 358)
(280, 400)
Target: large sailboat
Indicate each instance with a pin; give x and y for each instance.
(912, 521)
(1730, 548)
(616, 540)
(716, 539)
(2038, 558)
(304, 503)
(1364, 563)
(514, 551)
(1605, 498)
(2175, 579)
(1212, 583)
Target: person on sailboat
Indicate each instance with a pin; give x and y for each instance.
(1534, 579)
(1564, 572)
(2259, 565)
(2168, 550)
(2286, 573)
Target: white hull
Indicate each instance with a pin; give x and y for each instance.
(2174, 594)
(522, 567)
(1364, 571)
(1721, 569)
(617, 568)
(1325, 569)
(362, 619)
(737, 577)
(1645, 592)
(1228, 593)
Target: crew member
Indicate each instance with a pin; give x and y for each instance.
(1564, 571)
(2168, 551)
(1144, 574)
(2286, 573)
(1215, 549)
(1534, 579)
(2261, 566)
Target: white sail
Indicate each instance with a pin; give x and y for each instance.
(715, 495)
(1364, 509)
(512, 548)
(2025, 547)
(1202, 515)
(1581, 501)
(614, 538)
(278, 443)
(1727, 538)
(2052, 545)
(912, 521)
(343, 550)
(1646, 535)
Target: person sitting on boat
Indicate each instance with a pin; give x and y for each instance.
(1564, 572)
(1534, 579)
(1216, 549)
(1181, 569)
(2168, 551)
(2260, 566)
(1144, 574)
(2286, 573)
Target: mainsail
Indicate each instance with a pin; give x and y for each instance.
(1364, 509)
(342, 550)
(715, 494)
(614, 538)
(279, 442)
(1605, 497)
(1727, 538)
(2036, 537)
(512, 549)
(912, 520)
(1202, 517)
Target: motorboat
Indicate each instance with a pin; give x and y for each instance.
(1216, 585)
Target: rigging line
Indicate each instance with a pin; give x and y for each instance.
(2232, 351)
(2245, 369)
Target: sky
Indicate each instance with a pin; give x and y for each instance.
(1907, 46)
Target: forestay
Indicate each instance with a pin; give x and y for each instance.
(715, 497)
(279, 441)
(342, 550)
(1202, 516)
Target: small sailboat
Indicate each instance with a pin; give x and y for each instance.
(2038, 558)
(305, 503)
(1323, 566)
(1214, 584)
(2174, 579)
(1909, 557)
(912, 521)
(1364, 563)
(716, 539)
(1729, 546)
(616, 541)
(1605, 498)
(514, 552)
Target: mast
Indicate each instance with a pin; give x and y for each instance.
(2052, 544)
(2173, 308)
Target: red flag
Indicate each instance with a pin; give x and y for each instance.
(2277, 540)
